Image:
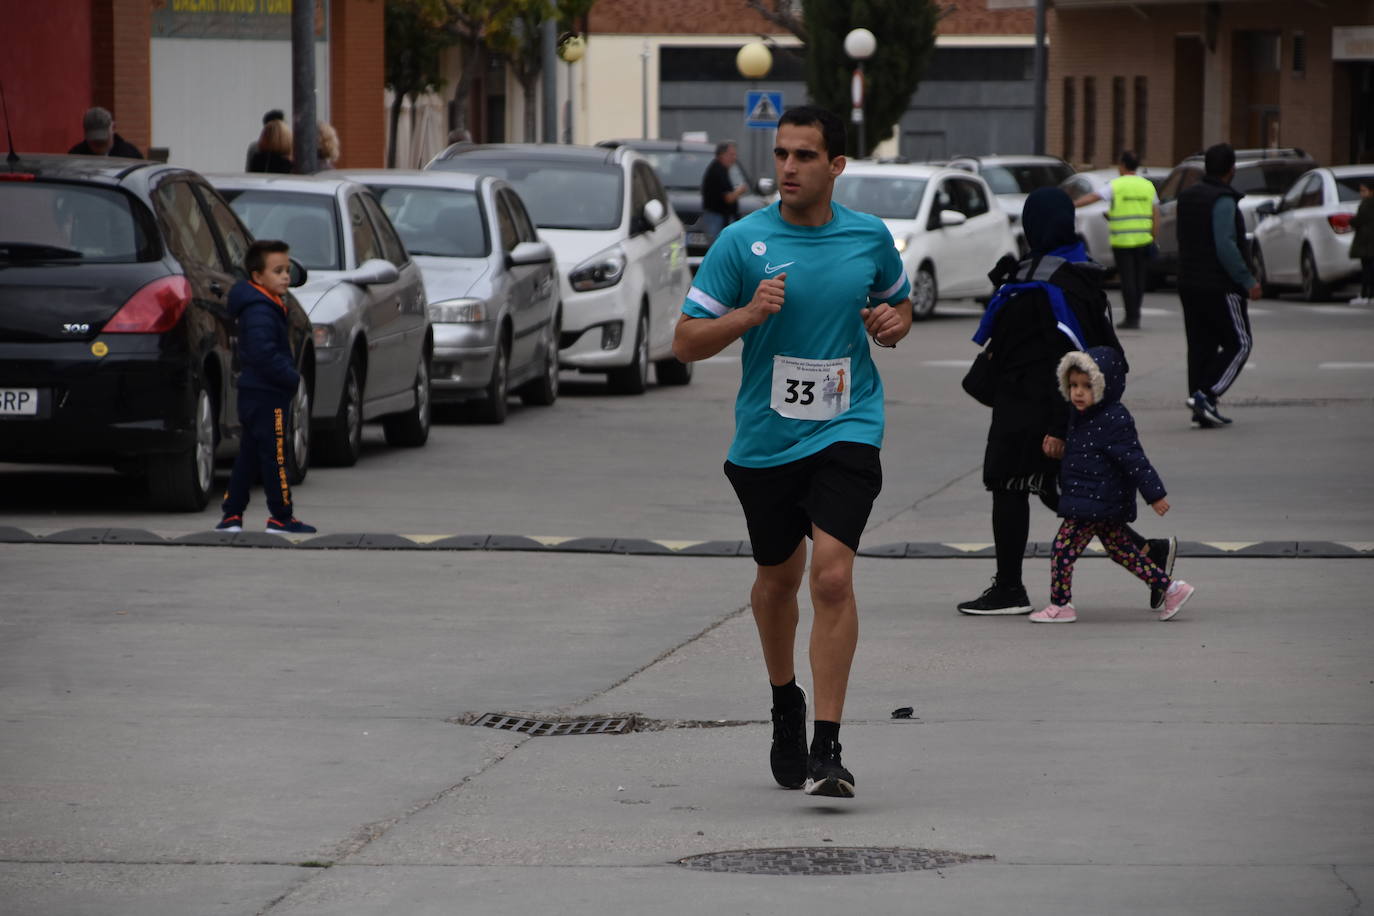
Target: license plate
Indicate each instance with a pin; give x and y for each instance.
(18, 402)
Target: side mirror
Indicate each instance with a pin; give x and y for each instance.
(655, 212)
(375, 271)
(529, 253)
(952, 218)
(767, 186)
(298, 273)
(1268, 208)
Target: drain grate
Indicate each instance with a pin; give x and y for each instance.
(827, 860)
(605, 726)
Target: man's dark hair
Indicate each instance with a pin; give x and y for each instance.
(1129, 161)
(255, 261)
(1219, 159)
(276, 114)
(830, 126)
(723, 145)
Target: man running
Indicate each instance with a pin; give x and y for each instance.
(805, 283)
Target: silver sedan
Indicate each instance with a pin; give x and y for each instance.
(366, 301)
(1304, 239)
(492, 282)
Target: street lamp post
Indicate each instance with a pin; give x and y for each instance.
(859, 44)
(753, 61)
(571, 47)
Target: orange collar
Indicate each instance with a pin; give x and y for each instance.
(276, 299)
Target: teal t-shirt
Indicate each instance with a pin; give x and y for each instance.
(807, 379)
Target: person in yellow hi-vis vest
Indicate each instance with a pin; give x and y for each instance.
(1133, 214)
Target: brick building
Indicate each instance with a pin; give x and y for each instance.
(1168, 79)
(186, 77)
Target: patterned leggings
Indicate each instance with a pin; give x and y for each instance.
(1075, 534)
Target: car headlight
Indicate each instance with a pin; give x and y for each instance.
(901, 244)
(458, 311)
(599, 271)
(324, 335)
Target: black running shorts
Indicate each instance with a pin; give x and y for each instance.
(833, 489)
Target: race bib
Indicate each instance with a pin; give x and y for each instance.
(810, 389)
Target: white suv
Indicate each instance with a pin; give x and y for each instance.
(621, 252)
(945, 222)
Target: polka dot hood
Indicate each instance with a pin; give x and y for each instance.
(1104, 464)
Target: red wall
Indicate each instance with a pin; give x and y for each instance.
(45, 65)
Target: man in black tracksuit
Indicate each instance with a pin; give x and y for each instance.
(1214, 280)
(267, 382)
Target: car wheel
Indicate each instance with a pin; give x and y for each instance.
(411, 429)
(343, 443)
(181, 482)
(1313, 289)
(298, 456)
(634, 378)
(1267, 289)
(495, 404)
(924, 292)
(543, 391)
(673, 371)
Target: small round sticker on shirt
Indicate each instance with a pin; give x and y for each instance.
(99, 348)
(758, 248)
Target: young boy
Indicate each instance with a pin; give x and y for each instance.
(267, 382)
(1103, 468)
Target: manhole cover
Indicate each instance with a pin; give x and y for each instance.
(529, 726)
(827, 860)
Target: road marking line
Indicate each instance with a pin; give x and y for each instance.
(1338, 365)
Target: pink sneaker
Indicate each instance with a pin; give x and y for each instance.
(1055, 613)
(1175, 598)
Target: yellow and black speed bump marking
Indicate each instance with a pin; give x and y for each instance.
(641, 546)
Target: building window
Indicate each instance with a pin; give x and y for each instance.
(1299, 55)
(1089, 118)
(1070, 117)
(1142, 116)
(1118, 115)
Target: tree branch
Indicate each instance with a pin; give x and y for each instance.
(776, 14)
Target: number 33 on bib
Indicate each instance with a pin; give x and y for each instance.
(810, 389)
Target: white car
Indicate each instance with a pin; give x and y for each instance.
(492, 284)
(1304, 239)
(944, 221)
(1012, 178)
(621, 250)
(1092, 218)
(366, 300)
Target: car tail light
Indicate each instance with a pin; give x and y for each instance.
(154, 309)
(1340, 223)
(17, 176)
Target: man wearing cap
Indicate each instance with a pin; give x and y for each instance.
(101, 139)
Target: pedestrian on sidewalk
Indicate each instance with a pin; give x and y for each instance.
(267, 382)
(1133, 220)
(1045, 306)
(1362, 245)
(1214, 281)
(1104, 466)
(98, 137)
(719, 193)
(274, 149)
(276, 114)
(805, 283)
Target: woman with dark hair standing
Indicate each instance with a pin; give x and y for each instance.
(1045, 306)
(274, 149)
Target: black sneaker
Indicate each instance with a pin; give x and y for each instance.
(1162, 552)
(825, 775)
(1205, 412)
(230, 523)
(998, 600)
(290, 526)
(787, 756)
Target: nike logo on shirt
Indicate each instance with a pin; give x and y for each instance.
(770, 269)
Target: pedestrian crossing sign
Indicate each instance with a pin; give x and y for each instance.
(762, 109)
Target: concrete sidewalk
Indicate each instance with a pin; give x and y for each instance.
(210, 742)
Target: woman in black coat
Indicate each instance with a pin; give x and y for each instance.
(1045, 306)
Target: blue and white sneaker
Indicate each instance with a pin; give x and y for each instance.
(290, 526)
(230, 523)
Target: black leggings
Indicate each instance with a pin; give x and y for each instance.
(1367, 277)
(1011, 530)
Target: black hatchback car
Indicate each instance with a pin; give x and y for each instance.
(116, 343)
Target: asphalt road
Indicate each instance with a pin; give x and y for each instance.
(195, 730)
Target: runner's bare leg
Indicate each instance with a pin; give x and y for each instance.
(835, 630)
(774, 598)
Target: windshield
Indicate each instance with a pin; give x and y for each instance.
(441, 222)
(559, 195)
(1269, 178)
(885, 198)
(682, 170)
(1022, 179)
(43, 222)
(306, 222)
(1348, 186)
